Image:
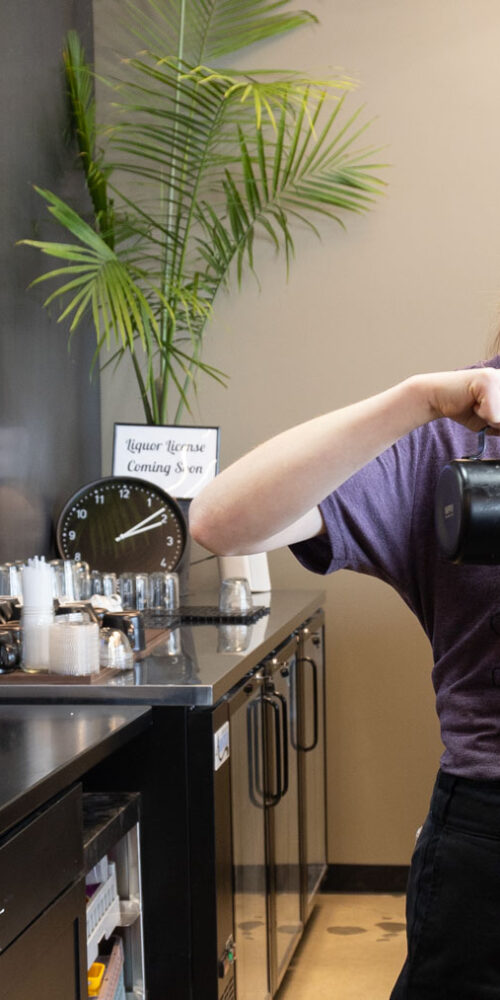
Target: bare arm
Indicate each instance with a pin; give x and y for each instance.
(270, 496)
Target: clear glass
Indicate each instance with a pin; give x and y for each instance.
(96, 585)
(141, 591)
(115, 650)
(235, 595)
(83, 583)
(58, 577)
(127, 591)
(163, 591)
(4, 580)
(13, 579)
(109, 584)
(70, 583)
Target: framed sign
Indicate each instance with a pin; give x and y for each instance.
(179, 459)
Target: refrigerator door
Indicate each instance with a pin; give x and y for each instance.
(311, 741)
(283, 812)
(249, 843)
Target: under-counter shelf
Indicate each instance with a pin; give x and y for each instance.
(111, 843)
(107, 817)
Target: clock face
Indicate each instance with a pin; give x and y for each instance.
(122, 525)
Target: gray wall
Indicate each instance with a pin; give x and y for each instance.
(49, 410)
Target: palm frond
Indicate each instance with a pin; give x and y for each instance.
(206, 30)
(196, 164)
(82, 111)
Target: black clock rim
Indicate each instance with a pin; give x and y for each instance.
(126, 481)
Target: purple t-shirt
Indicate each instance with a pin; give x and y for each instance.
(381, 522)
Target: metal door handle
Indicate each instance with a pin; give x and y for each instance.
(311, 746)
(255, 783)
(272, 798)
(294, 706)
(284, 719)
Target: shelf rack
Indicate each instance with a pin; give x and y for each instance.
(111, 823)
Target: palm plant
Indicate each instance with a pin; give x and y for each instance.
(195, 162)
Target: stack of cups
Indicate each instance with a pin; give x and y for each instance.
(74, 645)
(37, 614)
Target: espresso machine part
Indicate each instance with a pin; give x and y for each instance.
(467, 510)
(10, 647)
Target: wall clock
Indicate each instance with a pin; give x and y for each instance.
(122, 524)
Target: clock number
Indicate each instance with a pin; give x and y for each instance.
(99, 497)
(169, 540)
(81, 513)
(77, 556)
(71, 535)
(163, 563)
(124, 492)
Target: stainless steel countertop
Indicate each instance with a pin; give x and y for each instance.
(194, 665)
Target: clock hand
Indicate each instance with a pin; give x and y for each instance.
(137, 531)
(130, 531)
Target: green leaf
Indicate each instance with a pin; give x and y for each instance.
(213, 28)
(72, 221)
(193, 165)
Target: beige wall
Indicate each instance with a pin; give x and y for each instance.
(413, 286)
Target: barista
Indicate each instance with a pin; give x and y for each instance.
(354, 489)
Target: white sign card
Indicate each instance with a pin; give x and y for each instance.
(221, 746)
(181, 460)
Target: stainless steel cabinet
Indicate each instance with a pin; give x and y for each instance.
(265, 824)
(312, 758)
(278, 808)
(249, 842)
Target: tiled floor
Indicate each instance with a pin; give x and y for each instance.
(353, 949)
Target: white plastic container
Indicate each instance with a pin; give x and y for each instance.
(103, 914)
(74, 645)
(37, 614)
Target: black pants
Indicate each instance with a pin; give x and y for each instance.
(453, 902)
